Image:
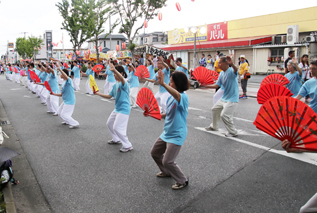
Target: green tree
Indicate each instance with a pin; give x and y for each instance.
(78, 20)
(131, 11)
(27, 48)
(101, 13)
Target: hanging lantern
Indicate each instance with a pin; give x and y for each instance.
(124, 45)
(193, 0)
(56, 44)
(85, 52)
(100, 49)
(95, 47)
(145, 24)
(160, 16)
(117, 47)
(61, 41)
(178, 6)
(89, 52)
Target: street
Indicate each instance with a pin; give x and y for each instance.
(79, 172)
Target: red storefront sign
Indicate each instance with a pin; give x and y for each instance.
(218, 31)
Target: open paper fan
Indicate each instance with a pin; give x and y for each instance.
(34, 77)
(288, 118)
(97, 68)
(272, 90)
(93, 84)
(142, 72)
(203, 75)
(148, 103)
(48, 87)
(276, 79)
(214, 74)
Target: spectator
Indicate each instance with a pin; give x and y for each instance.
(217, 68)
(243, 70)
(217, 54)
(291, 54)
(203, 61)
(304, 65)
(180, 67)
(141, 60)
(210, 63)
(294, 76)
(155, 61)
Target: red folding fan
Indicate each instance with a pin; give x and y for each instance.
(288, 118)
(148, 103)
(34, 77)
(272, 90)
(48, 87)
(214, 75)
(276, 79)
(97, 68)
(203, 75)
(142, 72)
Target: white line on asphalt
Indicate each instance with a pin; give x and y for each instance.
(103, 99)
(310, 158)
(16, 89)
(26, 96)
(242, 119)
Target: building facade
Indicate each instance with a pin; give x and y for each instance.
(265, 40)
(108, 43)
(155, 39)
(46, 50)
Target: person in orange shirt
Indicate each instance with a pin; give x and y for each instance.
(243, 70)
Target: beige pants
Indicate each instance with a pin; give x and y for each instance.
(224, 110)
(164, 155)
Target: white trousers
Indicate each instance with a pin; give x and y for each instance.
(24, 80)
(29, 84)
(133, 95)
(13, 76)
(65, 112)
(161, 100)
(38, 89)
(149, 85)
(43, 95)
(52, 102)
(217, 96)
(17, 78)
(117, 124)
(108, 87)
(224, 110)
(76, 83)
(60, 80)
(10, 77)
(88, 89)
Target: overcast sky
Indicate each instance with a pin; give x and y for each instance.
(36, 16)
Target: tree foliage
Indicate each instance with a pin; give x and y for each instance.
(78, 20)
(131, 11)
(27, 48)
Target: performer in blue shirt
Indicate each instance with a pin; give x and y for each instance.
(180, 67)
(76, 72)
(89, 72)
(118, 120)
(168, 145)
(294, 76)
(134, 85)
(150, 67)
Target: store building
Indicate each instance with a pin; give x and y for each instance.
(264, 40)
(107, 43)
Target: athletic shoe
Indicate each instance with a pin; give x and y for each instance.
(180, 186)
(73, 127)
(112, 142)
(38, 96)
(161, 174)
(134, 107)
(245, 97)
(209, 128)
(231, 135)
(45, 104)
(241, 96)
(33, 92)
(55, 114)
(126, 149)
(49, 112)
(64, 123)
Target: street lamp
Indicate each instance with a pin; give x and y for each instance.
(194, 30)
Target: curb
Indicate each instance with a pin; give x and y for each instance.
(8, 199)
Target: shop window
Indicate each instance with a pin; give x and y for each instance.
(277, 56)
(155, 39)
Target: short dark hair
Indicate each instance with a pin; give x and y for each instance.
(32, 65)
(179, 59)
(209, 55)
(180, 80)
(291, 52)
(203, 54)
(75, 61)
(218, 52)
(120, 69)
(314, 62)
(71, 73)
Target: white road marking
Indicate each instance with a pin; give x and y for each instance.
(26, 96)
(242, 119)
(16, 89)
(196, 109)
(310, 158)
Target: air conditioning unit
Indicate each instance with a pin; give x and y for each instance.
(292, 34)
(310, 38)
(279, 39)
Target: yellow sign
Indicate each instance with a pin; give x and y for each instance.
(178, 36)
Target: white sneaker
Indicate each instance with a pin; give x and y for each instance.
(126, 149)
(73, 127)
(45, 104)
(49, 112)
(209, 128)
(231, 135)
(55, 114)
(64, 123)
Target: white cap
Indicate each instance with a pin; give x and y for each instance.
(242, 56)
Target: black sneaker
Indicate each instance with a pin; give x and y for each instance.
(180, 186)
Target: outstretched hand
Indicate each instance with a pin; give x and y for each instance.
(111, 67)
(229, 60)
(286, 144)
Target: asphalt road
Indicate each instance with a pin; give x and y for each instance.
(79, 172)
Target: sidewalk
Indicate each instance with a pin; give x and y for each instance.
(27, 195)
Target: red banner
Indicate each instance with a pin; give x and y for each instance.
(218, 31)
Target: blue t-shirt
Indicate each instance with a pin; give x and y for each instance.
(28, 73)
(121, 94)
(76, 72)
(90, 72)
(151, 71)
(166, 79)
(310, 88)
(229, 83)
(110, 76)
(175, 127)
(37, 72)
(133, 80)
(68, 92)
(52, 81)
(126, 69)
(294, 82)
(221, 73)
(43, 76)
(181, 69)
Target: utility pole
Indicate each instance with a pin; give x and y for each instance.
(110, 31)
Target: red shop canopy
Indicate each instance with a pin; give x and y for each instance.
(237, 42)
